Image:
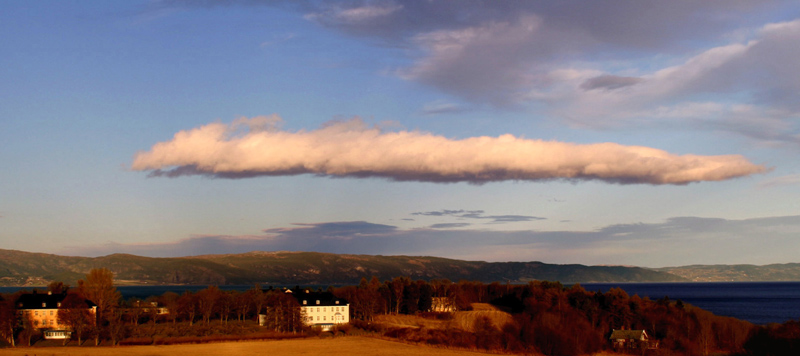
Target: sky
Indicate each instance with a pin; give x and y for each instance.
(648, 133)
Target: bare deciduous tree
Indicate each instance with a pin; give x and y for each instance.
(8, 320)
(76, 315)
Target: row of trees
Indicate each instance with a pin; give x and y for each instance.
(548, 318)
(212, 303)
(401, 295)
(116, 319)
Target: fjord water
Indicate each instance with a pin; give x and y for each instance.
(757, 302)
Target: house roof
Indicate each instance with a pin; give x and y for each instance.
(628, 334)
(39, 300)
(317, 298)
(42, 301)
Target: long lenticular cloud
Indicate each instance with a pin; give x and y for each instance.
(256, 147)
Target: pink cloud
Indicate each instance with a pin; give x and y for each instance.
(255, 147)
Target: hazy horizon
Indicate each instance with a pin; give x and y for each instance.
(652, 134)
(406, 255)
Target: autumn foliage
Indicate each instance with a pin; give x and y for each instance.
(545, 318)
(539, 317)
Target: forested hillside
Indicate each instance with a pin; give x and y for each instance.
(736, 273)
(24, 269)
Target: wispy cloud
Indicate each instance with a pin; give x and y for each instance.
(442, 107)
(358, 15)
(643, 244)
(475, 62)
(605, 63)
(792, 179)
(276, 39)
(756, 71)
(609, 82)
(600, 64)
(446, 212)
(449, 225)
(256, 147)
(479, 214)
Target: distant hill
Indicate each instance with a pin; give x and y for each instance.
(19, 268)
(736, 273)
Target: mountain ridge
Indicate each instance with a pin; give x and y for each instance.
(775, 272)
(20, 268)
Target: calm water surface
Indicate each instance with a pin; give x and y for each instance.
(757, 302)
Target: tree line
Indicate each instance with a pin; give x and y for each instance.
(546, 317)
(116, 319)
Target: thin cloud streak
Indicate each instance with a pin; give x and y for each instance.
(449, 225)
(478, 214)
(256, 147)
(644, 244)
(447, 212)
(441, 107)
(792, 179)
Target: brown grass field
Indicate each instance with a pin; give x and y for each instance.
(351, 345)
(464, 320)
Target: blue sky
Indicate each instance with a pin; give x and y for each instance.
(652, 134)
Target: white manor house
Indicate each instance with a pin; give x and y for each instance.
(319, 309)
(322, 309)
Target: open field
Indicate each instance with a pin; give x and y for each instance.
(363, 346)
(464, 320)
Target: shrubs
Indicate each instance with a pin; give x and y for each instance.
(368, 326)
(185, 333)
(136, 341)
(773, 340)
(436, 315)
(173, 340)
(343, 329)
